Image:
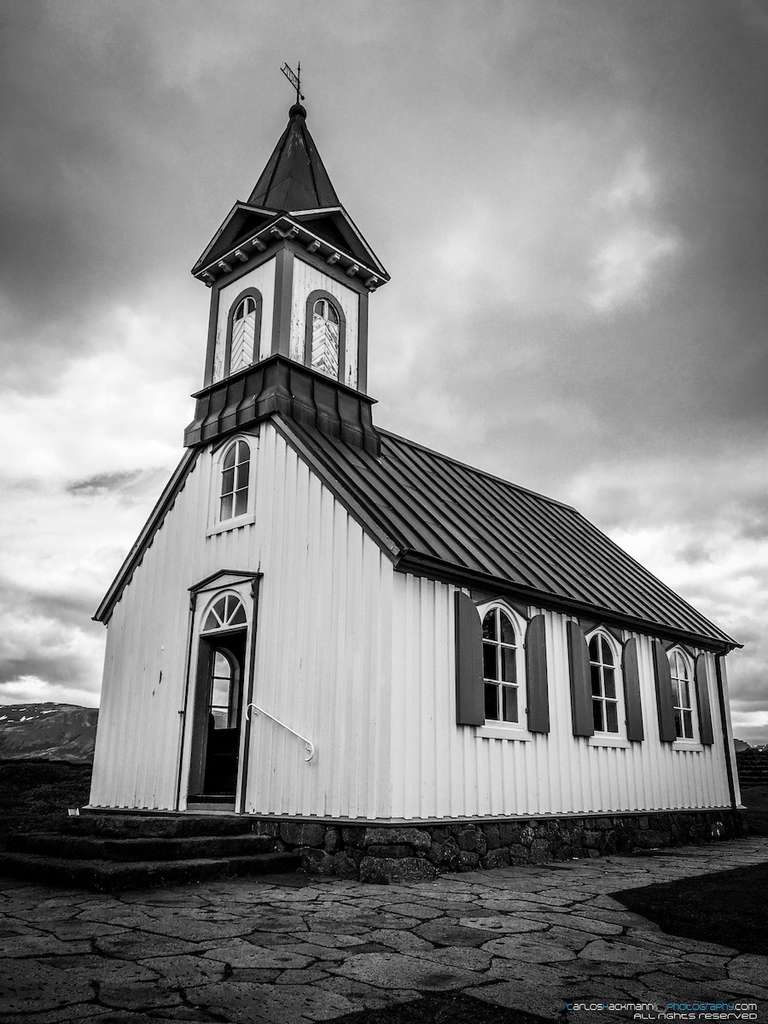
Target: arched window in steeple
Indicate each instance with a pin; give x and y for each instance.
(243, 331)
(324, 344)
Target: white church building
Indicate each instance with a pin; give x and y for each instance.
(326, 622)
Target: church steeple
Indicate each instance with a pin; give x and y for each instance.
(290, 275)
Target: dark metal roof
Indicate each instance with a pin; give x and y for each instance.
(446, 519)
(294, 178)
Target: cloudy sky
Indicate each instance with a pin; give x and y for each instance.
(572, 200)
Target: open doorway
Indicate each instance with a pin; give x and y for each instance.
(218, 704)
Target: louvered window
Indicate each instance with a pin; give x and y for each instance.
(235, 472)
(325, 338)
(243, 334)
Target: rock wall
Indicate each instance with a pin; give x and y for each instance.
(374, 853)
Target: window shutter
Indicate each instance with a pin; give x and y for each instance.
(536, 675)
(581, 690)
(470, 708)
(632, 703)
(664, 703)
(706, 735)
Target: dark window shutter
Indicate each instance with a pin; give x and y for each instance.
(581, 690)
(632, 703)
(664, 703)
(469, 663)
(706, 735)
(536, 675)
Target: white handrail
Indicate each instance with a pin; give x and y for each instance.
(308, 744)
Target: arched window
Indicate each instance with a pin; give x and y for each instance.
(502, 667)
(241, 346)
(227, 612)
(235, 470)
(603, 667)
(682, 699)
(324, 342)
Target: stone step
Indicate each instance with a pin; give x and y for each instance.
(158, 825)
(144, 848)
(111, 876)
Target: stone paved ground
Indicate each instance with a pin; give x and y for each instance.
(250, 952)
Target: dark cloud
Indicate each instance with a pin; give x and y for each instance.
(101, 483)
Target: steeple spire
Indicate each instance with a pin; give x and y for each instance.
(294, 177)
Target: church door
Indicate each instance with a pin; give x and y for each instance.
(218, 704)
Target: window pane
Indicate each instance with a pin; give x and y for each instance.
(238, 617)
(678, 723)
(594, 649)
(508, 665)
(211, 621)
(597, 715)
(594, 673)
(490, 670)
(606, 651)
(685, 694)
(243, 453)
(609, 682)
(489, 626)
(491, 702)
(241, 502)
(227, 481)
(226, 507)
(612, 716)
(688, 725)
(229, 458)
(509, 694)
(507, 630)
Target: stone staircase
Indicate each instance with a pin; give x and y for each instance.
(111, 851)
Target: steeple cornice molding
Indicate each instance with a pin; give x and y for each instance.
(288, 228)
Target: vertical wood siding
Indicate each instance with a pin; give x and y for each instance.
(323, 650)
(263, 278)
(305, 280)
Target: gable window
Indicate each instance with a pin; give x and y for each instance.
(605, 692)
(682, 699)
(502, 668)
(235, 471)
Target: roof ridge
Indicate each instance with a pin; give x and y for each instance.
(476, 469)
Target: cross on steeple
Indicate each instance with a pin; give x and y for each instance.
(294, 77)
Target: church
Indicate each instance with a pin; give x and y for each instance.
(322, 621)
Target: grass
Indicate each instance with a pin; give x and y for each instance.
(35, 795)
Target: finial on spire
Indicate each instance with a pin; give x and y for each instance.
(294, 77)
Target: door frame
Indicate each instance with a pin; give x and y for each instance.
(201, 596)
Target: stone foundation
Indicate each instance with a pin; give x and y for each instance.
(376, 853)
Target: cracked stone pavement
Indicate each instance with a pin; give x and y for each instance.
(298, 950)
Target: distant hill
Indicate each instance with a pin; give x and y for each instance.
(49, 732)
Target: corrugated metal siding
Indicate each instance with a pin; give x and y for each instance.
(324, 589)
(445, 770)
(436, 508)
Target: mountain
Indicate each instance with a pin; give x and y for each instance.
(48, 732)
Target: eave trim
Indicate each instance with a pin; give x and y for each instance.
(146, 536)
(425, 565)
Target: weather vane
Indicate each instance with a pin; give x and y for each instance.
(294, 77)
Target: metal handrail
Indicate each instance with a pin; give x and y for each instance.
(308, 744)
